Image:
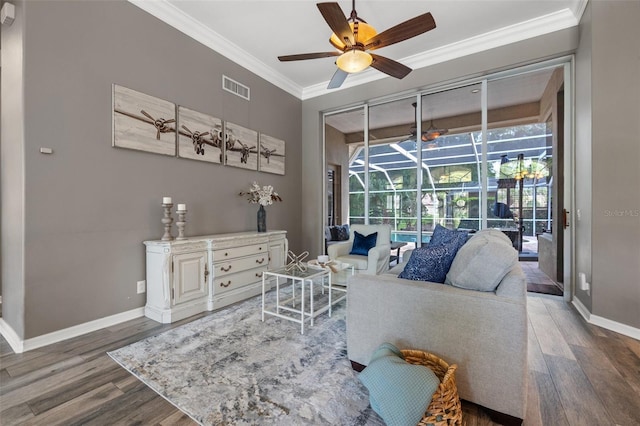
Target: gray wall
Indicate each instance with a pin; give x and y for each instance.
(583, 179)
(615, 127)
(89, 206)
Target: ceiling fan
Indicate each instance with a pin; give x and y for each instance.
(430, 135)
(353, 38)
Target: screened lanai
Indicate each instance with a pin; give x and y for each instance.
(451, 189)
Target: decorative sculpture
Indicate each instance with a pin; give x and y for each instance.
(296, 261)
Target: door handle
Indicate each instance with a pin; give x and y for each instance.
(565, 218)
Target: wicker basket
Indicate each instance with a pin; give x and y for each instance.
(445, 407)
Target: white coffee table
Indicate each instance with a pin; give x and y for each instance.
(305, 280)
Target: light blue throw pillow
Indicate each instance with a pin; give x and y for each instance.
(398, 391)
(362, 244)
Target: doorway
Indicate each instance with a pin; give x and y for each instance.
(334, 195)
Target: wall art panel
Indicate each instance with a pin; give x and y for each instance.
(272, 155)
(199, 136)
(241, 146)
(143, 122)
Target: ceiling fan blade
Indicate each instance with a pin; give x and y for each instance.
(336, 20)
(303, 56)
(407, 29)
(338, 78)
(389, 66)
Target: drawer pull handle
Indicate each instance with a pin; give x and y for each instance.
(225, 285)
(226, 253)
(223, 269)
(259, 275)
(260, 248)
(260, 262)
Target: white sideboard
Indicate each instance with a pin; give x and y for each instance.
(185, 277)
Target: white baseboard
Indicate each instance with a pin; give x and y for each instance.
(627, 330)
(20, 346)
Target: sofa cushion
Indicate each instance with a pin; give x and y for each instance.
(442, 235)
(494, 234)
(482, 263)
(430, 263)
(398, 391)
(359, 262)
(362, 244)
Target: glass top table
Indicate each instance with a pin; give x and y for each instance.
(307, 281)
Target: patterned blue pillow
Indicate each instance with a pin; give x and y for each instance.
(342, 233)
(442, 235)
(430, 263)
(398, 391)
(362, 244)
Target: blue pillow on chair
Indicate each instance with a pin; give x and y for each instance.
(362, 244)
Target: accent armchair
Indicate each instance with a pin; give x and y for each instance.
(377, 260)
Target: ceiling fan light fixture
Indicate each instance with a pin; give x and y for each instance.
(433, 133)
(354, 60)
(365, 32)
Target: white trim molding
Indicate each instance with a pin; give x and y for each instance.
(615, 326)
(175, 17)
(18, 345)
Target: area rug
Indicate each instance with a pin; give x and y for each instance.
(231, 368)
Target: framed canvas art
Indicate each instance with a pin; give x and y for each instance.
(241, 147)
(199, 136)
(143, 122)
(271, 158)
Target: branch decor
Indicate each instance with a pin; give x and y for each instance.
(265, 196)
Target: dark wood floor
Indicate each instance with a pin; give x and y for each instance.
(579, 375)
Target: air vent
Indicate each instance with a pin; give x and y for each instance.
(234, 87)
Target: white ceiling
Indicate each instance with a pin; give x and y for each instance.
(254, 33)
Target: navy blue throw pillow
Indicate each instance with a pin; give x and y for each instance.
(339, 233)
(334, 233)
(442, 235)
(343, 232)
(362, 244)
(430, 263)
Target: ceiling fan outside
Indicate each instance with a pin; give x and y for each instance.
(430, 135)
(354, 38)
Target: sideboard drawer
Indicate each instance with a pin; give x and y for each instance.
(237, 280)
(238, 265)
(233, 252)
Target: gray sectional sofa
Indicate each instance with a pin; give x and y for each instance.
(483, 332)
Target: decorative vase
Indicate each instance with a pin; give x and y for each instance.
(262, 219)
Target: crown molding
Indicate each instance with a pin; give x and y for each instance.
(176, 18)
(195, 29)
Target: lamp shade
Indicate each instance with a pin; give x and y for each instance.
(354, 61)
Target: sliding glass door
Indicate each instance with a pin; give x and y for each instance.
(468, 157)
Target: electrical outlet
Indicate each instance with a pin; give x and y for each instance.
(142, 286)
